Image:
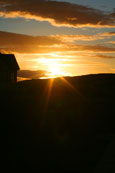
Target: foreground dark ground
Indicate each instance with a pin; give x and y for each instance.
(72, 132)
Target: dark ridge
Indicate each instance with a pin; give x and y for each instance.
(66, 128)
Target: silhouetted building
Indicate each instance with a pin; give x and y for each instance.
(8, 68)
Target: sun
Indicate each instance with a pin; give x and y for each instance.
(55, 70)
(53, 66)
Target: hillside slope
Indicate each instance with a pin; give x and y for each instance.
(65, 125)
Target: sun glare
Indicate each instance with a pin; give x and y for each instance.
(53, 66)
(55, 70)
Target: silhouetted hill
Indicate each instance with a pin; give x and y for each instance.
(64, 128)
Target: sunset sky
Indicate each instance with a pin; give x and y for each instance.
(53, 38)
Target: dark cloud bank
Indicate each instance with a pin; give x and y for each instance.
(17, 43)
(57, 13)
(29, 74)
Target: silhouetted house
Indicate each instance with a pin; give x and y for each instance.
(8, 68)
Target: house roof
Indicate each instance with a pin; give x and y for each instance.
(10, 61)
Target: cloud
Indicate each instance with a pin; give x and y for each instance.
(105, 56)
(7, 38)
(57, 13)
(111, 42)
(73, 38)
(96, 48)
(110, 34)
(12, 42)
(29, 74)
(113, 70)
(68, 48)
(24, 44)
(89, 48)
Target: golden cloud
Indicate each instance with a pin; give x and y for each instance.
(73, 38)
(111, 42)
(7, 38)
(57, 13)
(18, 43)
(105, 56)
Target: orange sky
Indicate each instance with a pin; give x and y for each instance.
(71, 39)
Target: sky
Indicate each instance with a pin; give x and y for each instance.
(54, 38)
